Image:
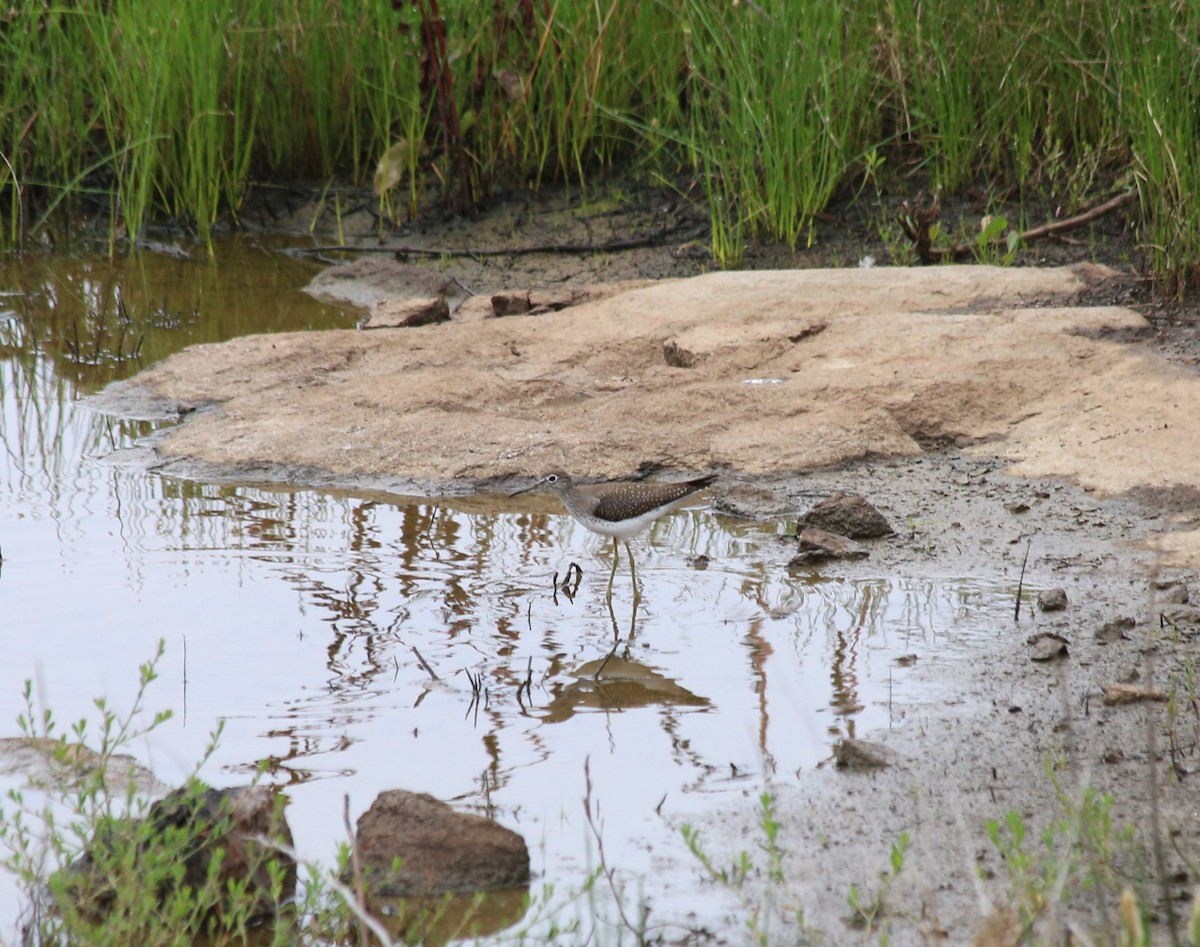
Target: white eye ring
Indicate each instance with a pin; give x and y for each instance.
(552, 478)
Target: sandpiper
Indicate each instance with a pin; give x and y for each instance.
(619, 508)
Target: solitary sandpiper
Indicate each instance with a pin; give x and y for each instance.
(619, 508)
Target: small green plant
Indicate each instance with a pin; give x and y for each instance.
(760, 906)
(866, 911)
(989, 246)
(98, 865)
(1078, 858)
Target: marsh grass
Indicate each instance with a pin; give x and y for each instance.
(149, 109)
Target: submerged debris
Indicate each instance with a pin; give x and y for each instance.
(1131, 694)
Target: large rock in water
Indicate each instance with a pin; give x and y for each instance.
(438, 849)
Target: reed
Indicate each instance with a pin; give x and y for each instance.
(151, 109)
(774, 118)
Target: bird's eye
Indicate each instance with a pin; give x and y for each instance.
(552, 478)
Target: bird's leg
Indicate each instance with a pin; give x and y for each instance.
(637, 595)
(612, 575)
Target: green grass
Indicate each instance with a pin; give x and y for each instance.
(157, 110)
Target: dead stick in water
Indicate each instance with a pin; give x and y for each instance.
(425, 665)
(1021, 582)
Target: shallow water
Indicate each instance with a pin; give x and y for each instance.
(337, 635)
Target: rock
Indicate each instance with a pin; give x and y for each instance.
(817, 545)
(535, 302)
(1052, 600)
(848, 514)
(1114, 630)
(44, 762)
(408, 313)
(1173, 595)
(845, 393)
(192, 825)
(1131, 694)
(372, 279)
(438, 848)
(1048, 646)
(860, 754)
(510, 304)
(555, 300)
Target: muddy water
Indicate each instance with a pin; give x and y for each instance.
(354, 643)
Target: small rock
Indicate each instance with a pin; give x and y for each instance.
(847, 514)
(906, 660)
(1113, 631)
(860, 754)
(816, 545)
(542, 300)
(1131, 694)
(408, 313)
(1052, 600)
(1173, 595)
(438, 848)
(677, 356)
(700, 562)
(510, 304)
(44, 762)
(1048, 646)
(1017, 508)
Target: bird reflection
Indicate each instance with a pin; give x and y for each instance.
(616, 683)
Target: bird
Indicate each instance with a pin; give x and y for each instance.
(619, 508)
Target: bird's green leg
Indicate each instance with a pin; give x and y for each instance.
(637, 595)
(612, 575)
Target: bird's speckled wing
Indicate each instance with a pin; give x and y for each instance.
(635, 498)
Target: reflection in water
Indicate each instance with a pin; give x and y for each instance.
(355, 643)
(433, 921)
(611, 683)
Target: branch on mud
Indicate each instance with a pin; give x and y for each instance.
(620, 243)
(918, 221)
